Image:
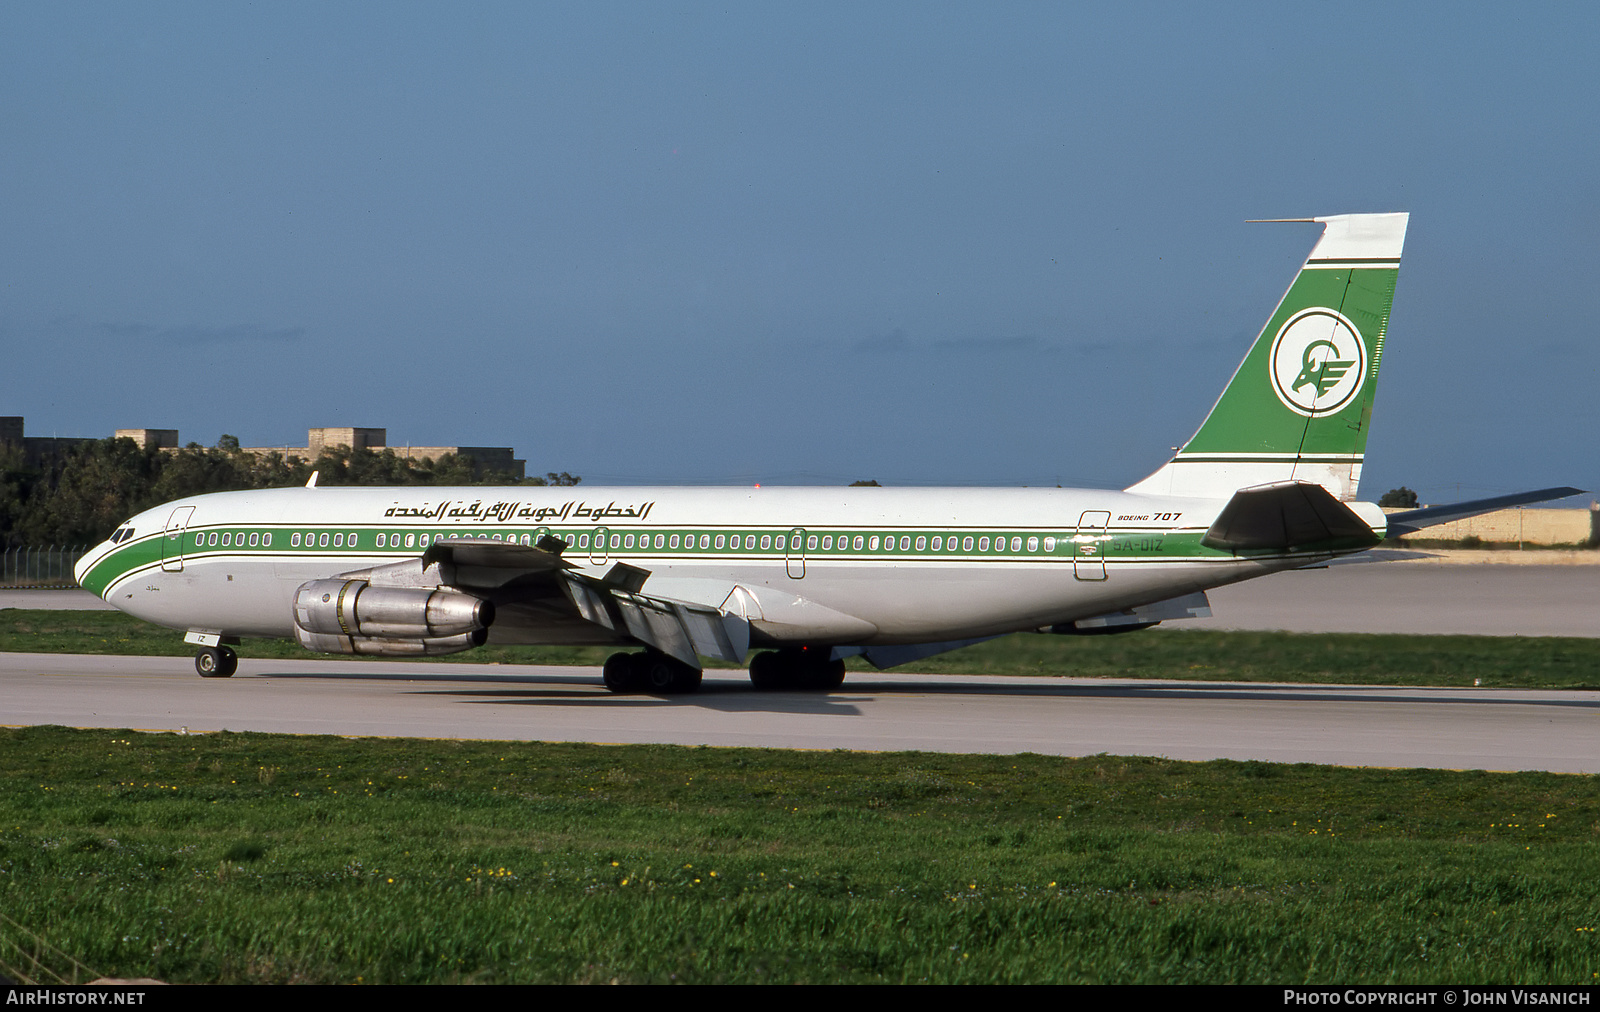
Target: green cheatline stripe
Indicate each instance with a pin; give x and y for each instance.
(1116, 545)
(1364, 261)
(1282, 458)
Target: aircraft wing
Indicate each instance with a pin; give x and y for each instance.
(535, 590)
(1412, 521)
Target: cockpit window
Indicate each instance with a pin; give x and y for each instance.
(122, 534)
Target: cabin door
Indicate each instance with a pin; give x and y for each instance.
(1088, 557)
(795, 553)
(172, 543)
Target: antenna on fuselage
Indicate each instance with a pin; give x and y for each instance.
(311, 482)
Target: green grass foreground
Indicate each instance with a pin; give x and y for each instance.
(1345, 658)
(266, 858)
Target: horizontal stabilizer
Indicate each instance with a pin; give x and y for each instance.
(1412, 521)
(1284, 515)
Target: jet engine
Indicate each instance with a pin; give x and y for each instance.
(354, 617)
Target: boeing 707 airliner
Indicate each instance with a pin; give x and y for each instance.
(807, 576)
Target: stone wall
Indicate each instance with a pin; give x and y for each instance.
(1529, 526)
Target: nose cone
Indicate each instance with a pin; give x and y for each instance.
(81, 571)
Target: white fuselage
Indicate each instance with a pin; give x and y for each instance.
(858, 566)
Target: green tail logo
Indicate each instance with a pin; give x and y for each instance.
(1299, 405)
(1318, 349)
(1321, 373)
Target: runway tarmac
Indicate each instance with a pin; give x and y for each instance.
(1397, 597)
(1449, 728)
(1490, 729)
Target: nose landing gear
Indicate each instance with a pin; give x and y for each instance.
(216, 662)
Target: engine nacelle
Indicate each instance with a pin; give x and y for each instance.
(354, 617)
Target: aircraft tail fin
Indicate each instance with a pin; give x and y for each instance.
(1298, 407)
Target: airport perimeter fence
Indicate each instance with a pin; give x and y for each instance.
(40, 567)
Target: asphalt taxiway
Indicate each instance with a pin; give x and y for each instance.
(1365, 726)
(1493, 729)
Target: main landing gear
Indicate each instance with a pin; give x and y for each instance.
(216, 662)
(802, 668)
(649, 671)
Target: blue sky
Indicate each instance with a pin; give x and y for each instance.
(806, 243)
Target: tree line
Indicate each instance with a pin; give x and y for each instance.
(81, 495)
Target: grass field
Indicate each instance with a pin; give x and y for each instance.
(1499, 661)
(261, 858)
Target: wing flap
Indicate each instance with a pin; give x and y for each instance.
(676, 628)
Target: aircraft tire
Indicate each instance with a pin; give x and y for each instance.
(831, 676)
(666, 675)
(216, 662)
(620, 674)
(768, 672)
(811, 674)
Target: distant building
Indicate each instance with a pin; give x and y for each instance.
(484, 458)
(37, 449)
(164, 439)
